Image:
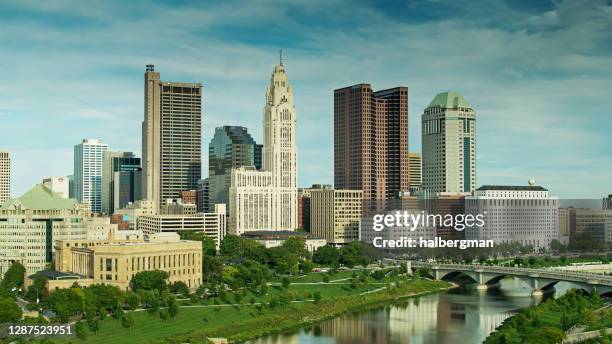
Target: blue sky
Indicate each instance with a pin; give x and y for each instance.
(539, 74)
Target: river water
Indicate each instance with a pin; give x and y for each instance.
(459, 316)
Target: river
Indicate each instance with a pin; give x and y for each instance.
(459, 316)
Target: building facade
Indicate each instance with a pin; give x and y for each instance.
(171, 137)
(5, 176)
(121, 180)
(304, 204)
(564, 225)
(230, 147)
(115, 261)
(30, 224)
(202, 196)
(214, 224)
(607, 202)
(269, 239)
(88, 158)
(60, 185)
(415, 180)
(448, 127)
(267, 199)
(335, 215)
(133, 211)
(371, 141)
(591, 223)
(524, 214)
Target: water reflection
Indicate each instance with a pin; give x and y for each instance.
(462, 315)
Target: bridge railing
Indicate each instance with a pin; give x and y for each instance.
(560, 275)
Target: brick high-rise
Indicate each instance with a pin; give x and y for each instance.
(371, 141)
(171, 138)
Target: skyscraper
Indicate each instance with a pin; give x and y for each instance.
(121, 180)
(267, 199)
(171, 137)
(371, 141)
(414, 159)
(5, 176)
(88, 157)
(449, 144)
(230, 147)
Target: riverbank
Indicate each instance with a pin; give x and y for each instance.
(238, 323)
(296, 317)
(552, 320)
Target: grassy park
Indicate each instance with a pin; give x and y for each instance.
(240, 322)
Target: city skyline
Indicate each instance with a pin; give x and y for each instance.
(537, 88)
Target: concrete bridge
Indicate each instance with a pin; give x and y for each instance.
(540, 280)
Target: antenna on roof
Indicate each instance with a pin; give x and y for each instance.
(280, 56)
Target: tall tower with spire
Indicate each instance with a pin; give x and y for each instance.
(280, 153)
(267, 199)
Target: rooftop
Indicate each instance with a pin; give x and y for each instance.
(449, 100)
(56, 275)
(511, 188)
(280, 235)
(40, 197)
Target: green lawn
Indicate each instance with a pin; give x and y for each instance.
(244, 322)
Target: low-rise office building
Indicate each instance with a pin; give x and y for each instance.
(30, 224)
(213, 224)
(335, 215)
(133, 211)
(115, 261)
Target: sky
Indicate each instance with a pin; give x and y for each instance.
(538, 73)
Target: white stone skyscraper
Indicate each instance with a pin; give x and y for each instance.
(448, 131)
(267, 200)
(5, 176)
(88, 157)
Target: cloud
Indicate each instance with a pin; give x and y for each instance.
(538, 77)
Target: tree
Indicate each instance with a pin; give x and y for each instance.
(164, 315)
(209, 248)
(317, 296)
(306, 267)
(149, 280)
(13, 277)
(170, 301)
(133, 300)
(545, 335)
(66, 303)
(94, 325)
(128, 320)
(102, 298)
(38, 290)
(179, 287)
(9, 310)
(297, 246)
(326, 255)
(150, 298)
(230, 246)
(352, 254)
(286, 282)
(273, 302)
(81, 330)
(173, 309)
(212, 269)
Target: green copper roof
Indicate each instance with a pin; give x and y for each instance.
(449, 100)
(40, 197)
